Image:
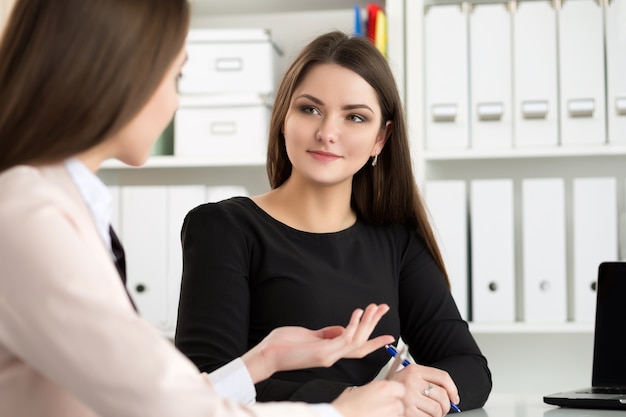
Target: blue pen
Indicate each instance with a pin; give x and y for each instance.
(393, 352)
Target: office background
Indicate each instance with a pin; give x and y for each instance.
(517, 114)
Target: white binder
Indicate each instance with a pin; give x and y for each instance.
(535, 75)
(492, 251)
(581, 56)
(447, 204)
(144, 236)
(595, 239)
(490, 76)
(180, 199)
(543, 248)
(616, 70)
(445, 71)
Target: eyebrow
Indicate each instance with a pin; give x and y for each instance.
(346, 107)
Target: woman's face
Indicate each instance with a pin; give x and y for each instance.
(333, 125)
(133, 143)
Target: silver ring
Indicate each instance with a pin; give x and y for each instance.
(428, 390)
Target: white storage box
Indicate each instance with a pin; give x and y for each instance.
(222, 130)
(230, 60)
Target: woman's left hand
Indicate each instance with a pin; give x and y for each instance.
(292, 347)
(428, 391)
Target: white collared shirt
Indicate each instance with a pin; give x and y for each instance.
(95, 195)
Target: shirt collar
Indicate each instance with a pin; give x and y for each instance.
(95, 195)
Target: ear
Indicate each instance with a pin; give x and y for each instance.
(382, 137)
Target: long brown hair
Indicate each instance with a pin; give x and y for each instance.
(73, 72)
(386, 194)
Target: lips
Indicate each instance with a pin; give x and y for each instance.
(324, 156)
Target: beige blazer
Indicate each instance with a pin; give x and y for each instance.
(70, 343)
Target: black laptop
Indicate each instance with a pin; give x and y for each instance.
(608, 382)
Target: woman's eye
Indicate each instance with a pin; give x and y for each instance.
(309, 110)
(356, 118)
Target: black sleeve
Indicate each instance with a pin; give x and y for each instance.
(213, 311)
(433, 329)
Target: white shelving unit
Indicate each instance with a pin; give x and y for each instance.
(527, 358)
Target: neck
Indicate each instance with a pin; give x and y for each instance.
(311, 208)
(92, 159)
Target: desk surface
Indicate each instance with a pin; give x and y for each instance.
(526, 405)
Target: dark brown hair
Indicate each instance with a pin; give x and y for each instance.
(73, 72)
(386, 194)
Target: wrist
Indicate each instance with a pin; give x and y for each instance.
(256, 360)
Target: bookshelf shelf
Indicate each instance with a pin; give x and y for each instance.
(531, 328)
(526, 153)
(174, 162)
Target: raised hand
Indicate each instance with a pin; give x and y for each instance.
(293, 347)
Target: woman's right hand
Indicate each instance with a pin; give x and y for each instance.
(292, 347)
(378, 398)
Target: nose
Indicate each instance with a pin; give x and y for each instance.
(328, 130)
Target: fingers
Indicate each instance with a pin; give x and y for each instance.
(353, 340)
(440, 401)
(354, 322)
(426, 394)
(334, 332)
(372, 315)
(372, 345)
(425, 401)
(443, 380)
(361, 327)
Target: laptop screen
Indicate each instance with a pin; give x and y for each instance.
(609, 352)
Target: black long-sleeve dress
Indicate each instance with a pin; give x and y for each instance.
(245, 273)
